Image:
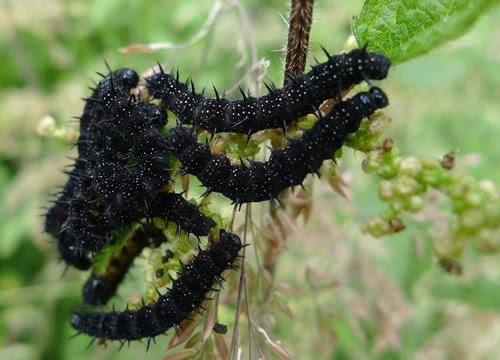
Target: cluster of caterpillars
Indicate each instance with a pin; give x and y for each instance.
(120, 176)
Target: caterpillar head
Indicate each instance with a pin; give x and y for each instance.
(379, 98)
(374, 65)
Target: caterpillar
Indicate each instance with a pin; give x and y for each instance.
(276, 109)
(88, 234)
(71, 253)
(100, 287)
(120, 175)
(286, 167)
(120, 168)
(173, 207)
(187, 293)
(169, 206)
(110, 91)
(117, 83)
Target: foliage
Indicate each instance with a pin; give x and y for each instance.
(405, 29)
(335, 290)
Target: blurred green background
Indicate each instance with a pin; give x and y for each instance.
(351, 296)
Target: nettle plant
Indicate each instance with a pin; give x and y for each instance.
(142, 139)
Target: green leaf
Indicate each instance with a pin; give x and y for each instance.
(404, 29)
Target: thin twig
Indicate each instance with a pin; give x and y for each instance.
(247, 307)
(242, 285)
(251, 73)
(255, 245)
(249, 36)
(212, 19)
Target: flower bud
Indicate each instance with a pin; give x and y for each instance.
(377, 227)
(385, 190)
(410, 166)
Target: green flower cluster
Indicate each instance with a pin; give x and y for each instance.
(405, 180)
(164, 263)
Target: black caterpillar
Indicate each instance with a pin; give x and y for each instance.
(116, 84)
(276, 109)
(188, 291)
(120, 169)
(100, 287)
(120, 175)
(286, 167)
(173, 207)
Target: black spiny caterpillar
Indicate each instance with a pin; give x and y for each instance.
(120, 169)
(111, 87)
(286, 167)
(122, 173)
(276, 109)
(187, 293)
(173, 207)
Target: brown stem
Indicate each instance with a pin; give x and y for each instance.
(301, 15)
(299, 27)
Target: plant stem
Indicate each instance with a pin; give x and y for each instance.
(301, 15)
(299, 28)
(235, 340)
